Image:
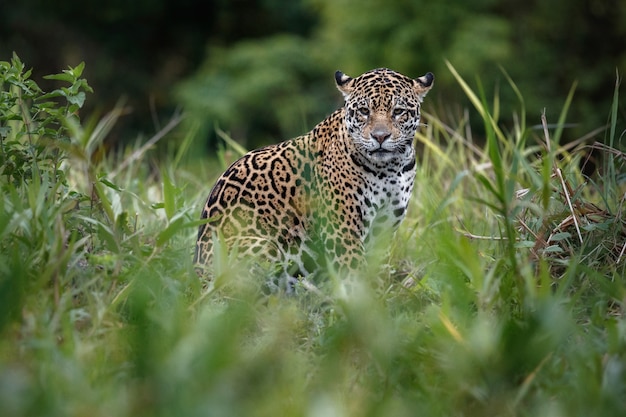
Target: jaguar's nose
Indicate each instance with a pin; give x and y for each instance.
(380, 135)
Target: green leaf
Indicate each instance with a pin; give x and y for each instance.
(78, 70)
(553, 249)
(52, 94)
(109, 184)
(524, 244)
(175, 226)
(78, 99)
(169, 196)
(60, 77)
(106, 204)
(560, 236)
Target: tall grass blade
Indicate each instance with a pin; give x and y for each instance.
(556, 137)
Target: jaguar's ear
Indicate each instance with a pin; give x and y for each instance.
(424, 83)
(344, 83)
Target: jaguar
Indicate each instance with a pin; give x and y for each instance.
(317, 202)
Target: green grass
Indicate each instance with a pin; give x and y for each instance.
(504, 294)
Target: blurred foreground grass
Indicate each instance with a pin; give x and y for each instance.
(504, 295)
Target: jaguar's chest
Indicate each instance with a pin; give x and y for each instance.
(384, 198)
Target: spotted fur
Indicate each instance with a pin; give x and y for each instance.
(316, 201)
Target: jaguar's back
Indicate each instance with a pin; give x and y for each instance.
(314, 201)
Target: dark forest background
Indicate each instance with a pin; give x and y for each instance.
(263, 70)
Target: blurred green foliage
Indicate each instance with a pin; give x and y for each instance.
(138, 50)
(262, 69)
(545, 47)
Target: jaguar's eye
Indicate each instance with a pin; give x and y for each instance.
(364, 111)
(398, 111)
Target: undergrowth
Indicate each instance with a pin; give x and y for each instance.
(504, 294)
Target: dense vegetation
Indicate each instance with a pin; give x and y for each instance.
(262, 69)
(504, 295)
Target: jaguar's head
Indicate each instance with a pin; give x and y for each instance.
(382, 110)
